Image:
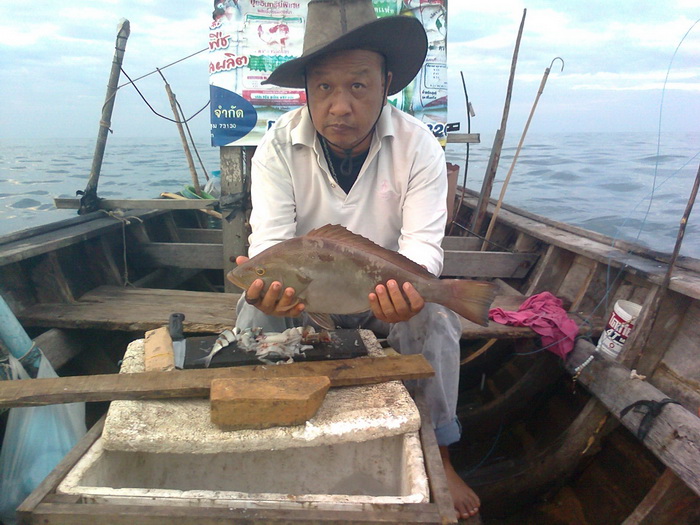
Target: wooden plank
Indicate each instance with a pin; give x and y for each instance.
(235, 180)
(463, 138)
(27, 233)
(669, 502)
(201, 235)
(183, 255)
(137, 309)
(437, 480)
(487, 264)
(141, 204)
(141, 309)
(453, 242)
(196, 383)
(21, 249)
(674, 436)
(46, 487)
(457, 263)
(599, 248)
(123, 514)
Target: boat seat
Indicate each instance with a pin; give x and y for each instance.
(141, 309)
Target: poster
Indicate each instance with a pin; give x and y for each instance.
(248, 39)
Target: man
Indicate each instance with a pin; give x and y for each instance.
(350, 158)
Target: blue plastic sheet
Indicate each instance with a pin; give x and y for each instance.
(36, 440)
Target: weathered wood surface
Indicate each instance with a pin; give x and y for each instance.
(463, 138)
(674, 436)
(669, 502)
(264, 403)
(137, 309)
(59, 346)
(197, 383)
(76, 513)
(141, 309)
(50, 240)
(141, 204)
(439, 491)
(596, 247)
(487, 264)
(457, 263)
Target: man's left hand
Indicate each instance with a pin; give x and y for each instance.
(392, 305)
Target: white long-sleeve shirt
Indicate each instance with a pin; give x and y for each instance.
(398, 200)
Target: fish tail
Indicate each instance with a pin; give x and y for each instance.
(470, 299)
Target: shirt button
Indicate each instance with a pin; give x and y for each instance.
(332, 185)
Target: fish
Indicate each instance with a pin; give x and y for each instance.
(333, 271)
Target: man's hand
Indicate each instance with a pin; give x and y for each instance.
(391, 305)
(275, 301)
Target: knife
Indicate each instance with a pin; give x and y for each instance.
(178, 337)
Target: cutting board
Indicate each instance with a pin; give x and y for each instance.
(344, 344)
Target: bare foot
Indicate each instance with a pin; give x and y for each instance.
(465, 500)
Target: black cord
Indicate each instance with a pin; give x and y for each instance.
(154, 111)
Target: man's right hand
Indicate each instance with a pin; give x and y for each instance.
(274, 301)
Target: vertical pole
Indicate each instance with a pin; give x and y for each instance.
(88, 201)
(234, 170)
(183, 138)
(485, 195)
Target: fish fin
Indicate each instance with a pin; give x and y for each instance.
(470, 299)
(341, 235)
(322, 320)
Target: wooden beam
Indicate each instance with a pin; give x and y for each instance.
(669, 502)
(468, 244)
(457, 263)
(674, 436)
(140, 204)
(463, 138)
(196, 383)
(51, 240)
(183, 255)
(487, 264)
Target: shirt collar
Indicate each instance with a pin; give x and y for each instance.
(304, 132)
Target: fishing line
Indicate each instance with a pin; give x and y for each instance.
(609, 280)
(608, 284)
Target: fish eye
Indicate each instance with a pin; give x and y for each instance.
(260, 271)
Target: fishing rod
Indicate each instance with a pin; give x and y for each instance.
(494, 216)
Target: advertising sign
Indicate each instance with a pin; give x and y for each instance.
(248, 39)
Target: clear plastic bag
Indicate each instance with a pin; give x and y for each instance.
(36, 439)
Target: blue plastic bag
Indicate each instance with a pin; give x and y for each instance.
(36, 440)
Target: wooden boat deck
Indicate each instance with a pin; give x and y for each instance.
(141, 309)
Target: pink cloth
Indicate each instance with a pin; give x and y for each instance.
(543, 313)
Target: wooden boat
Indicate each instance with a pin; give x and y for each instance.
(537, 446)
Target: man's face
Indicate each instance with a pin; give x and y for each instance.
(346, 93)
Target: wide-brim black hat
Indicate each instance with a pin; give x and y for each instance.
(339, 25)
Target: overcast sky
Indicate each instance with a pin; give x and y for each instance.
(55, 62)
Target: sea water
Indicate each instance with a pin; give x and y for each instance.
(631, 186)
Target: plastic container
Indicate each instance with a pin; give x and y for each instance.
(618, 328)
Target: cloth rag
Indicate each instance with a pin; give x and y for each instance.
(544, 313)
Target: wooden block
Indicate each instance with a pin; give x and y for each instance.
(262, 403)
(158, 351)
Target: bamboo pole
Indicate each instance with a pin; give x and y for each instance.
(494, 216)
(183, 138)
(88, 201)
(487, 185)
